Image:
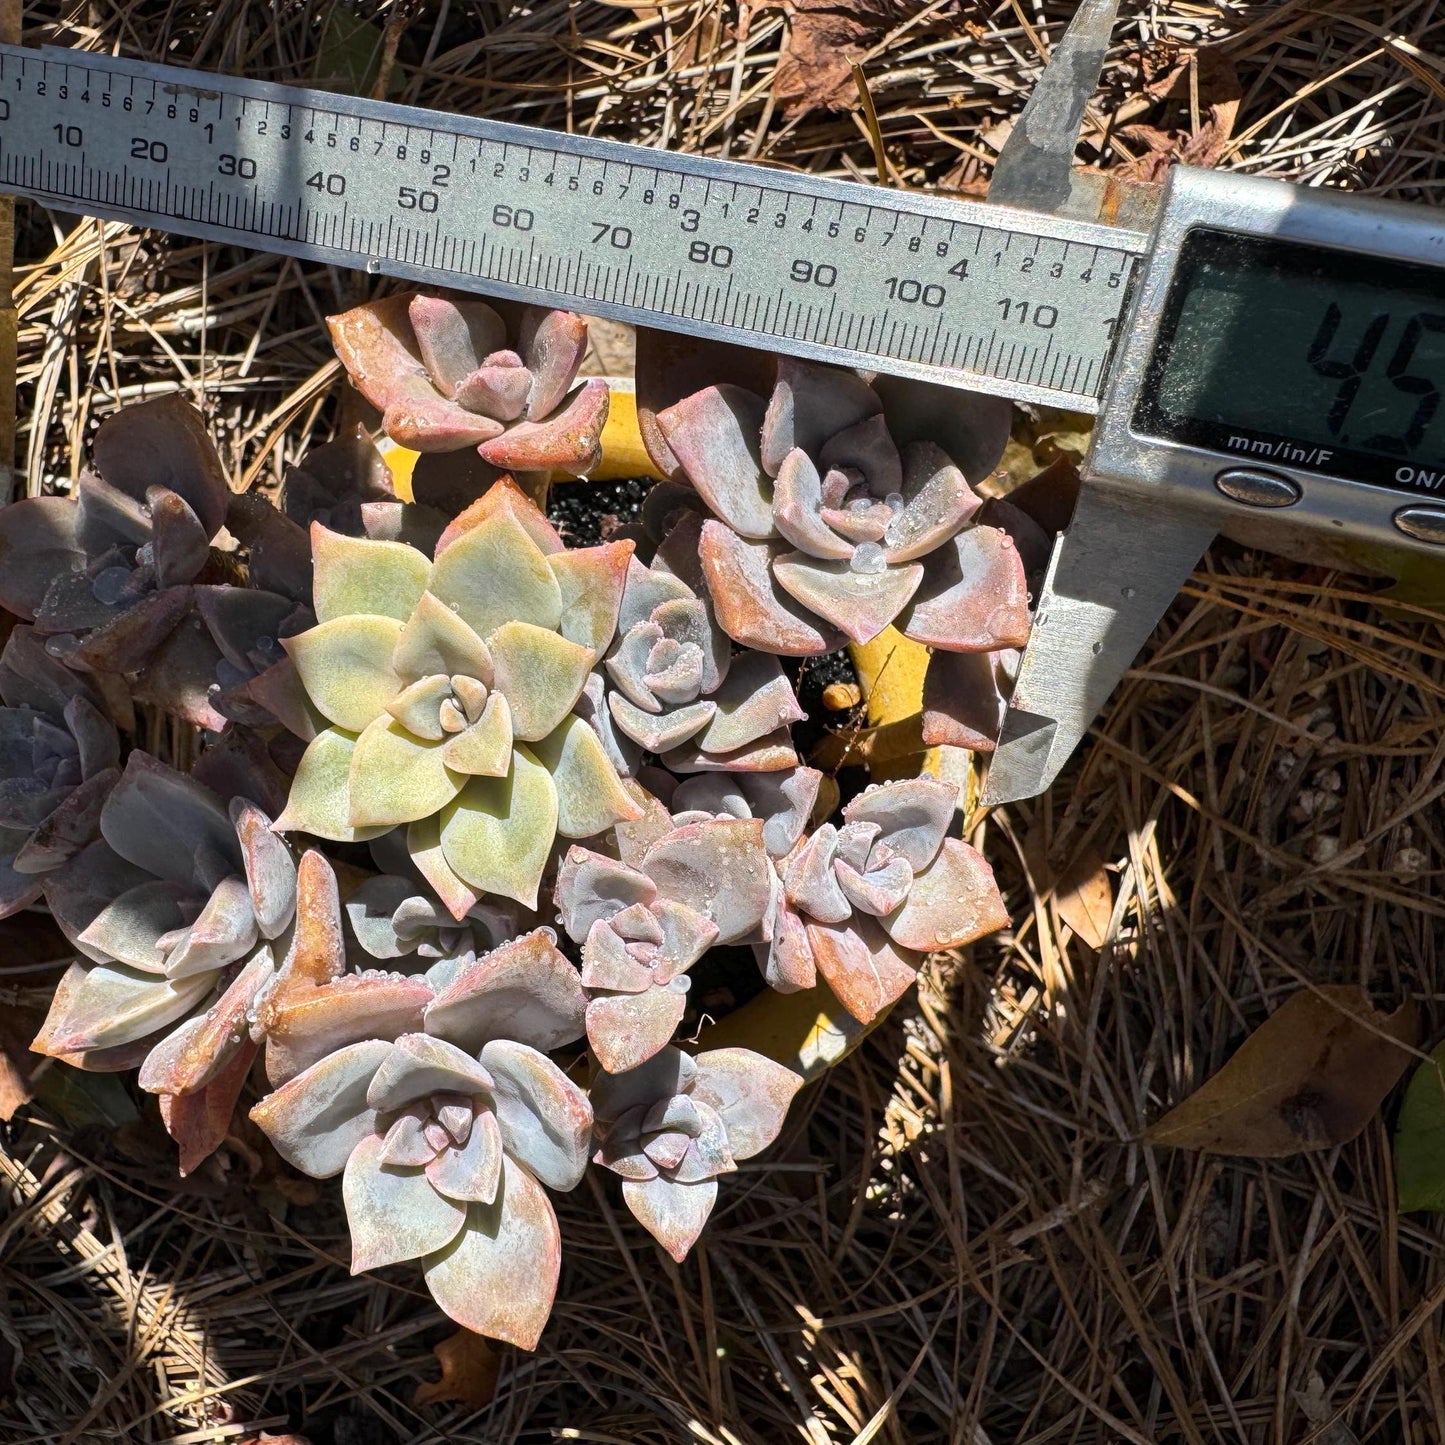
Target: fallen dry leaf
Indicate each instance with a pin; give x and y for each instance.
(1311, 1076)
(469, 1372)
(826, 38)
(1084, 897)
(1079, 889)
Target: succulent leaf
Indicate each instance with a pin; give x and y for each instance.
(495, 574)
(953, 901)
(345, 666)
(673, 1214)
(545, 1118)
(419, 1065)
(397, 778)
(975, 598)
(713, 434)
(525, 991)
(394, 1213)
(540, 673)
(497, 833)
(590, 795)
(498, 1277)
(318, 1117)
(355, 576)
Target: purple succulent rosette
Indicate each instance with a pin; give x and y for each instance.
(672, 1127)
(831, 518)
(181, 910)
(59, 759)
(861, 904)
(443, 1113)
(641, 928)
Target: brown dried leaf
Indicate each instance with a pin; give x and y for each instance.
(1310, 1077)
(470, 1365)
(826, 38)
(1084, 897)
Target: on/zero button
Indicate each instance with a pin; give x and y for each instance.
(1424, 524)
(1257, 489)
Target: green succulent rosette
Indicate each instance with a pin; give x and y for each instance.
(448, 689)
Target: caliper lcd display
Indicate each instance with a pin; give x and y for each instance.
(1304, 357)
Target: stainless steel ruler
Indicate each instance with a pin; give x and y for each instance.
(1008, 301)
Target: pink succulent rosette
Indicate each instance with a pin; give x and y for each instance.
(836, 513)
(670, 1128)
(449, 374)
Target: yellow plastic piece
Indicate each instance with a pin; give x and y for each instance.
(623, 454)
(811, 1031)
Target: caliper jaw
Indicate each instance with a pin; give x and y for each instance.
(1111, 576)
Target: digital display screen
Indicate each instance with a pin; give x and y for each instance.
(1299, 356)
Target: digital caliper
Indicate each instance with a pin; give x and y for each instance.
(1266, 360)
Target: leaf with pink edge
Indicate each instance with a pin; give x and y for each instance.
(963, 702)
(592, 887)
(865, 969)
(393, 1213)
(811, 403)
(305, 1024)
(660, 732)
(773, 752)
(953, 901)
(505, 496)
(626, 1030)
(937, 502)
(786, 959)
(797, 504)
(224, 931)
(200, 1122)
(751, 1093)
(912, 815)
(526, 991)
(497, 833)
(591, 580)
(318, 1117)
(483, 749)
(569, 438)
(499, 1276)
(747, 602)
(718, 869)
(552, 344)
(424, 848)
(975, 598)
(859, 604)
(473, 1171)
(420, 1065)
(454, 337)
(356, 576)
(495, 574)
(754, 699)
(546, 1119)
(115, 1005)
(673, 1214)
(377, 346)
(714, 435)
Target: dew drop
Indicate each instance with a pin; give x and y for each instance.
(868, 558)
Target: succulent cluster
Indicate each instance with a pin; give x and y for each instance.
(431, 733)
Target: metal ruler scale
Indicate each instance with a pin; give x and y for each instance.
(1271, 359)
(1016, 302)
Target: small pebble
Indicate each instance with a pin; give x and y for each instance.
(840, 696)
